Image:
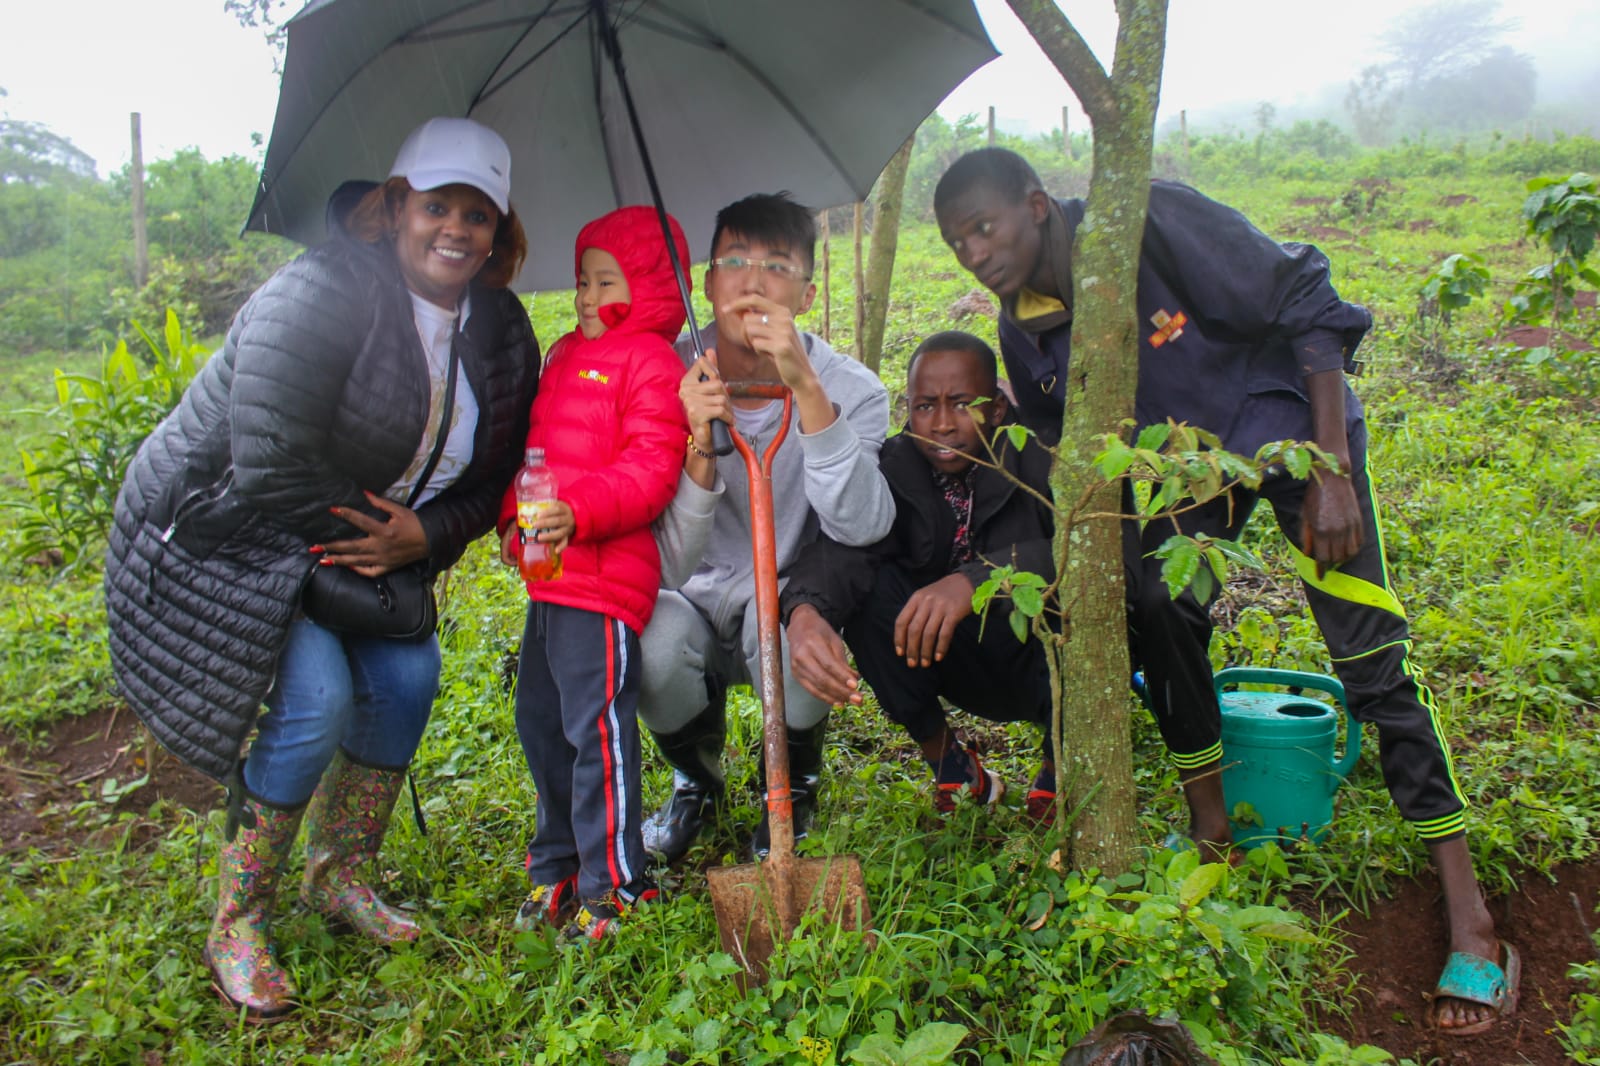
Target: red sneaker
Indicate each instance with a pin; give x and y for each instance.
(962, 771)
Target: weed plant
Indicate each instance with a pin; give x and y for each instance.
(986, 950)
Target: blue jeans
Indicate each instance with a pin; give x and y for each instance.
(370, 696)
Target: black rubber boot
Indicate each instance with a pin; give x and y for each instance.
(805, 781)
(695, 754)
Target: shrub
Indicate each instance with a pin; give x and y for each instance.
(99, 422)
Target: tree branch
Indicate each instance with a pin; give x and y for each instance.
(1070, 53)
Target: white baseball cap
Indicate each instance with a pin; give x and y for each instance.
(447, 151)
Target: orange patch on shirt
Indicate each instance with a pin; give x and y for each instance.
(1168, 327)
(594, 375)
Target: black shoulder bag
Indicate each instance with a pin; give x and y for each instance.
(399, 604)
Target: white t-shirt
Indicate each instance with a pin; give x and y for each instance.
(437, 328)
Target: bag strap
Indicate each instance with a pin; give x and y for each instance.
(444, 427)
(416, 803)
(416, 490)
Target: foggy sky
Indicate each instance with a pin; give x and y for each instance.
(1224, 57)
(80, 66)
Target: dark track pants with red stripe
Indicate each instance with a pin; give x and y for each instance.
(1361, 621)
(577, 717)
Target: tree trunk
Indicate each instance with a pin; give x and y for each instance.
(880, 259)
(859, 331)
(1095, 769)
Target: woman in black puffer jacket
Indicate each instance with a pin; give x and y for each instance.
(306, 441)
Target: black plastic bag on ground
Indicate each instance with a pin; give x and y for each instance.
(1133, 1038)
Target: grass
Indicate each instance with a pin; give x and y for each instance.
(1487, 476)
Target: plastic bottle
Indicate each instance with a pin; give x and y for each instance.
(535, 487)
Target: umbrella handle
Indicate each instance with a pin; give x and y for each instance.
(721, 439)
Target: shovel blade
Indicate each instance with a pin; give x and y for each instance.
(748, 921)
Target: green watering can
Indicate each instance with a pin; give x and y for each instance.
(1277, 753)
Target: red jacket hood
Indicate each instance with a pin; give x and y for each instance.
(633, 236)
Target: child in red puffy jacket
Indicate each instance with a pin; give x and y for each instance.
(612, 428)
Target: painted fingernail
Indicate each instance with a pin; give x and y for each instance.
(324, 562)
(316, 549)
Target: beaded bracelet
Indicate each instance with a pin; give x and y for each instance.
(693, 447)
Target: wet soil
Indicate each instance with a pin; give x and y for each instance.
(1400, 947)
(96, 758)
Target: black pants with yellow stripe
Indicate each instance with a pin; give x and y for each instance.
(1361, 621)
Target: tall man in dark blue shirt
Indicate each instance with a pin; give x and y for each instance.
(1247, 338)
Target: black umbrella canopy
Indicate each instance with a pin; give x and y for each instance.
(733, 97)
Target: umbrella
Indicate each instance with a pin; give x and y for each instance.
(730, 96)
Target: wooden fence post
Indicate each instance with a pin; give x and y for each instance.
(141, 240)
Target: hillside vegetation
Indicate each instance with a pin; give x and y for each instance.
(1487, 464)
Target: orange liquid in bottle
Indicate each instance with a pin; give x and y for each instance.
(535, 488)
(537, 562)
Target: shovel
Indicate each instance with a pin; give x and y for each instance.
(759, 904)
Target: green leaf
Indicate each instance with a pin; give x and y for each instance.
(1018, 435)
(1180, 564)
(985, 592)
(933, 1045)
(1115, 460)
(1200, 884)
(1028, 600)
(1218, 563)
(1290, 934)
(1208, 930)
(1238, 554)
(1153, 436)
(1019, 625)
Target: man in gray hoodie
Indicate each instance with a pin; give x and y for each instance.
(703, 636)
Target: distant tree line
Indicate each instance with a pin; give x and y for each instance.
(66, 243)
(1447, 69)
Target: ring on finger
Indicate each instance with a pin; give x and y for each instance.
(765, 320)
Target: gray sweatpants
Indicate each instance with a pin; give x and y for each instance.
(682, 655)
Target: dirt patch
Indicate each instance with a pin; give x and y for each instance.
(1457, 199)
(1526, 337)
(1326, 233)
(1399, 950)
(94, 758)
(1311, 201)
(976, 302)
(1421, 225)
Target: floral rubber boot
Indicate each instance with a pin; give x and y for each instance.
(345, 824)
(239, 951)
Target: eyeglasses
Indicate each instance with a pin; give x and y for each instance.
(773, 268)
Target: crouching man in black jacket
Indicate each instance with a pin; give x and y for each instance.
(905, 603)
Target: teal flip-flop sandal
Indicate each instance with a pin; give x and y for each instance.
(1472, 979)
